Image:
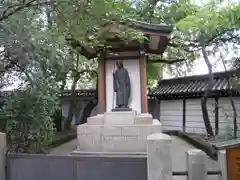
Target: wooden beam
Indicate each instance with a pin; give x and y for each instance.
(101, 84)
(143, 83)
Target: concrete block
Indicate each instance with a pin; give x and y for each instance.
(159, 159)
(89, 142)
(156, 127)
(107, 144)
(83, 142)
(96, 120)
(114, 138)
(93, 129)
(132, 130)
(111, 131)
(129, 145)
(196, 164)
(124, 144)
(89, 137)
(156, 122)
(119, 117)
(81, 129)
(222, 163)
(143, 119)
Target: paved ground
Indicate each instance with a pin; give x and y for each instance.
(179, 148)
(65, 148)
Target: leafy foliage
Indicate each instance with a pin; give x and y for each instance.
(28, 114)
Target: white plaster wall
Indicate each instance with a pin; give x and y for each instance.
(226, 113)
(65, 108)
(171, 113)
(134, 72)
(95, 111)
(194, 118)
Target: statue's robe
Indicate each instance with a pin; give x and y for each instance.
(121, 85)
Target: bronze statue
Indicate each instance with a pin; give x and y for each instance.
(121, 85)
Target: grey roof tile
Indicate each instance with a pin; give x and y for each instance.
(193, 84)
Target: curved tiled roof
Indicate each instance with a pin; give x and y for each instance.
(192, 85)
(66, 93)
(163, 28)
(81, 92)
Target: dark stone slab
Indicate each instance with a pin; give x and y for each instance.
(121, 109)
(204, 146)
(227, 144)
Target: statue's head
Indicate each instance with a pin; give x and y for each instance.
(119, 64)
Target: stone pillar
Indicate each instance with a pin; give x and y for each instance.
(159, 159)
(222, 164)
(196, 165)
(2, 155)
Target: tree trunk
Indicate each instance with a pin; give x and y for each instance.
(63, 84)
(235, 128)
(72, 104)
(204, 99)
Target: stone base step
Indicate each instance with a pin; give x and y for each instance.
(115, 138)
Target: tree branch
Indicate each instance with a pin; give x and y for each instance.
(185, 47)
(22, 69)
(194, 45)
(166, 61)
(10, 10)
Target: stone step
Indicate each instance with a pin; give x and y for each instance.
(119, 117)
(143, 119)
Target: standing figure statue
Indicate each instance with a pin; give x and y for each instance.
(121, 85)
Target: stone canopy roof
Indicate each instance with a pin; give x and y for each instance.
(154, 33)
(144, 26)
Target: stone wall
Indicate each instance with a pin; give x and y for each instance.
(122, 138)
(3, 148)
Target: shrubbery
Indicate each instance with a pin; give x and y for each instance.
(27, 117)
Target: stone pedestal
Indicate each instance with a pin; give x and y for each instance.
(121, 109)
(121, 131)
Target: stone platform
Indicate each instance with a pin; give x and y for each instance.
(116, 132)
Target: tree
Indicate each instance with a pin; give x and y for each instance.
(27, 111)
(204, 31)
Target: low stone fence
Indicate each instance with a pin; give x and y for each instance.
(159, 161)
(3, 147)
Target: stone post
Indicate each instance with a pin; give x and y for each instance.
(222, 163)
(2, 155)
(159, 160)
(196, 165)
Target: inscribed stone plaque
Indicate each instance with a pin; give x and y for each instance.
(233, 163)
